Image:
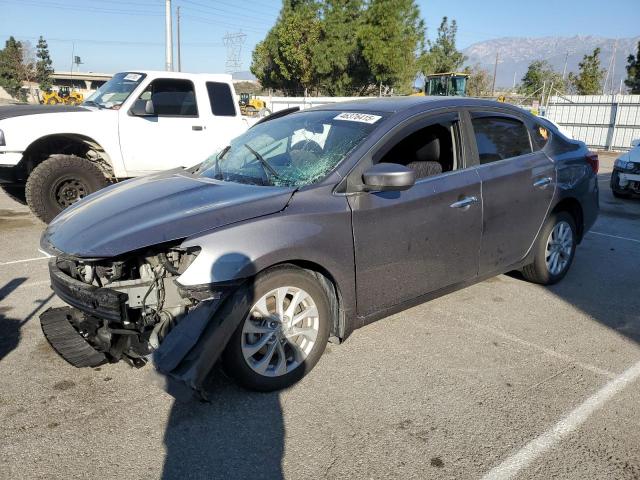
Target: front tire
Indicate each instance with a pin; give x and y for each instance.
(59, 182)
(284, 332)
(619, 194)
(554, 250)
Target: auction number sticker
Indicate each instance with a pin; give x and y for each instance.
(132, 77)
(357, 117)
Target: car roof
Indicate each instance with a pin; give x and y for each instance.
(398, 104)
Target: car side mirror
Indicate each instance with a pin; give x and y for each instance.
(635, 143)
(142, 108)
(388, 176)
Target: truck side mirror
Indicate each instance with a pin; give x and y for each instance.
(142, 108)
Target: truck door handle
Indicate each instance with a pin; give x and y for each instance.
(197, 127)
(542, 182)
(465, 202)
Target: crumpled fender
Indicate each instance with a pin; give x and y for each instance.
(186, 356)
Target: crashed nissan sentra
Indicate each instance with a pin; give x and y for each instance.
(308, 226)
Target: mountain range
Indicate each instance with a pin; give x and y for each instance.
(515, 55)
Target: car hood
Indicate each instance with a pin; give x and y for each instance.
(632, 155)
(23, 110)
(155, 209)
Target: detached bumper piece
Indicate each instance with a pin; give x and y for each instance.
(100, 302)
(65, 339)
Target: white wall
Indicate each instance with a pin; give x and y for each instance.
(601, 121)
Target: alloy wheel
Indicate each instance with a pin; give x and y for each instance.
(559, 248)
(280, 331)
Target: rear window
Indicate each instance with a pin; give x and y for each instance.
(221, 99)
(540, 136)
(499, 138)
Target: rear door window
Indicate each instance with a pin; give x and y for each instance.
(221, 99)
(498, 137)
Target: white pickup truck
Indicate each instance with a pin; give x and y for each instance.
(135, 124)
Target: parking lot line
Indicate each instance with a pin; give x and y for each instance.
(510, 467)
(23, 261)
(545, 350)
(614, 236)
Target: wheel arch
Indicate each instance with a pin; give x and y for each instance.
(340, 327)
(573, 207)
(66, 144)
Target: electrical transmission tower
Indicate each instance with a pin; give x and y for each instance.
(234, 42)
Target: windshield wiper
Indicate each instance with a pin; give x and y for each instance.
(268, 169)
(218, 172)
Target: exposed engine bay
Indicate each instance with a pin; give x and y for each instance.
(127, 306)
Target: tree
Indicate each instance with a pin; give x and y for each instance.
(11, 60)
(540, 74)
(443, 56)
(590, 76)
(283, 60)
(338, 58)
(633, 72)
(392, 39)
(44, 67)
(479, 82)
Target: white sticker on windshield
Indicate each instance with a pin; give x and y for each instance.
(358, 117)
(133, 77)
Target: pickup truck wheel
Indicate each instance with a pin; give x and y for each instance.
(284, 332)
(554, 250)
(59, 182)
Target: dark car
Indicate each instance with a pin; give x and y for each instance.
(309, 226)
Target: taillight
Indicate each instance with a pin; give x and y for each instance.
(592, 160)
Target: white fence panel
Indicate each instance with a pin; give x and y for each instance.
(601, 121)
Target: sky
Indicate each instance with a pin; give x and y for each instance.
(117, 35)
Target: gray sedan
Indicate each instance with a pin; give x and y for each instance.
(308, 226)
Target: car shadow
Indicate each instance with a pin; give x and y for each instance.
(10, 334)
(603, 280)
(236, 433)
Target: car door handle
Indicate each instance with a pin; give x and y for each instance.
(197, 127)
(465, 202)
(542, 182)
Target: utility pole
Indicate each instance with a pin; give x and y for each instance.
(610, 68)
(178, 38)
(495, 72)
(564, 69)
(168, 37)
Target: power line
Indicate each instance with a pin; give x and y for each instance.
(113, 42)
(240, 11)
(59, 6)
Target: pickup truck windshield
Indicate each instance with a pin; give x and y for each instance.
(296, 150)
(113, 93)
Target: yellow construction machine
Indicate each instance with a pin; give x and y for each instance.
(445, 84)
(64, 96)
(251, 106)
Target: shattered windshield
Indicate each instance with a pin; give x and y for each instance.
(113, 93)
(293, 151)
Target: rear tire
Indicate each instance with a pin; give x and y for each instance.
(557, 240)
(285, 363)
(60, 181)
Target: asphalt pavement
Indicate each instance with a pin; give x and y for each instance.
(504, 379)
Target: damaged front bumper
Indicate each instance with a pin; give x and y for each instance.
(626, 180)
(105, 324)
